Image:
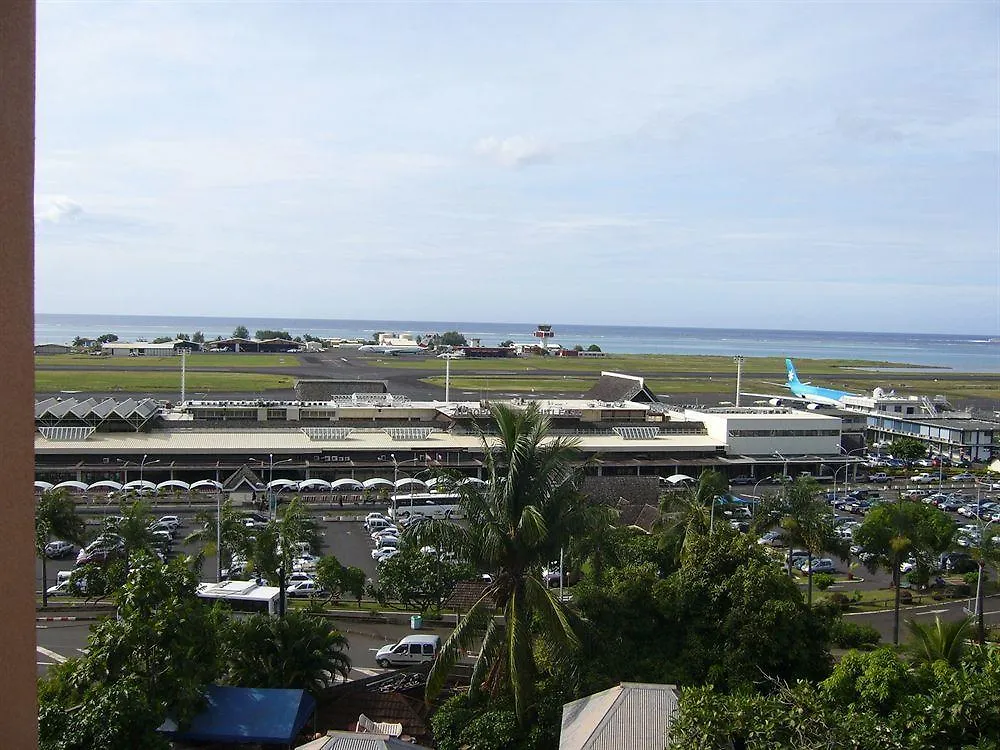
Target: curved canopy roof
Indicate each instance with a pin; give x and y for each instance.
(676, 478)
(206, 484)
(44, 486)
(376, 482)
(139, 484)
(472, 480)
(71, 485)
(281, 484)
(311, 484)
(346, 484)
(410, 482)
(174, 483)
(106, 484)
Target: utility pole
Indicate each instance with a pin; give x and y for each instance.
(739, 376)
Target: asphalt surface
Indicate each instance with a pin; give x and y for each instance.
(350, 364)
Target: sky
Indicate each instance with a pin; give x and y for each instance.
(755, 165)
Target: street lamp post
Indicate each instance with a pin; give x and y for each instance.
(756, 499)
(218, 533)
(739, 376)
(784, 470)
(837, 471)
(125, 465)
(272, 506)
(142, 464)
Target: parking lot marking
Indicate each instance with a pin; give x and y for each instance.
(51, 654)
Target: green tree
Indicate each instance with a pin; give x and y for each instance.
(133, 527)
(578, 348)
(162, 339)
(507, 343)
(267, 333)
(452, 338)
(107, 338)
(734, 619)
(419, 580)
(229, 527)
(198, 337)
(338, 579)
(892, 532)
(295, 651)
(183, 337)
(275, 544)
(805, 519)
(241, 332)
(687, 514)
(908, 449)
(150, 662)
(55, 518)
(593, 348)
(518, 522)
(942, 641)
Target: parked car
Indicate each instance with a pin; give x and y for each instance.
(772, 538)
(922, 478)
(817, 565)
(965, 476)
(742, 479)
(879, 476)
(381, 555)
(412, 649)
(58, 549)
(304, 589)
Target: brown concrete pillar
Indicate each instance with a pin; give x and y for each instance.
(19, 712)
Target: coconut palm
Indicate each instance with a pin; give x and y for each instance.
(942, 641)
(892, 532)
(295, 651)
(687, 514)
(517, 522)
(805, 519)
(231, 531)
(55, 518)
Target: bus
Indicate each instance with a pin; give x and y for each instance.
(430, 504)
(242, 596)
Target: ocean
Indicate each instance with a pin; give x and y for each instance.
(960, 353)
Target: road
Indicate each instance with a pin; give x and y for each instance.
(947, 611)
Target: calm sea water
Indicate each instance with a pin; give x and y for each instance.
(961, 353)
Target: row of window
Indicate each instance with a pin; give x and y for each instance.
(784, 433)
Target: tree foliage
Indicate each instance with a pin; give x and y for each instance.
(295, 651)
(420, 580)
(55, 518)
(908, 449)
(728, 616)
(267, 333)
(107, 338)
(872, 701)
(893, 531)
(517, 523)
(338, 579)
(148, 663)
(241, 332)
(451, 338)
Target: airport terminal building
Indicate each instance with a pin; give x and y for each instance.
(620, 427)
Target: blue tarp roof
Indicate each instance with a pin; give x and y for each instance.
(253, 715)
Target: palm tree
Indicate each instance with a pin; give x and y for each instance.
(296, 651)
(55, 517)
(891, 532)
(942, 641)
(985, 552)
(517, 522)
(688, 514)
(804, 519)
(228, 527)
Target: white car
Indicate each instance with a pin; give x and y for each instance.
(817, 565)
(391, 531)
(305, 563)
(921, 479)
(379, 555)
(304, 588)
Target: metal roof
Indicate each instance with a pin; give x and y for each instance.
(294, 441)
(633, 715)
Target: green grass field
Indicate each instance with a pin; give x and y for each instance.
(49, 381)
(235, 361)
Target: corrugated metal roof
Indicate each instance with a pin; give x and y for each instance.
(632, 715)
(293, 440)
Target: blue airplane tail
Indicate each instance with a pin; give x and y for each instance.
(793, 377)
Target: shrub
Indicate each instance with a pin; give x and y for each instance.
(840, 600)
(957, 591)
(849, 635)
(972, 578)
(823, 581)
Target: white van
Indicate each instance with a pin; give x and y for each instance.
(377, 524)
(413, 649)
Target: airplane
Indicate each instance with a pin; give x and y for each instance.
(812, 395)
(393, 349)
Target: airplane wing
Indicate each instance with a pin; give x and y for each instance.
(779, 397)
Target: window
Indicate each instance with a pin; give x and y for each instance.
(415, 649)
(428, 649)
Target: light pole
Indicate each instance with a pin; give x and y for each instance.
(738, 359)
(272, 506)
(125, 465)
(835, 472)
(755, 498)
(218, 532)
(395, 478)
(142, 464)
(784, 470)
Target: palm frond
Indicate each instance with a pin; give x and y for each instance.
(462, 637)
(520, 662)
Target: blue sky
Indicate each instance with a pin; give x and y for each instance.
(758, 165)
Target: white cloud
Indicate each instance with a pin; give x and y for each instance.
(56, 209)
(514, 151)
